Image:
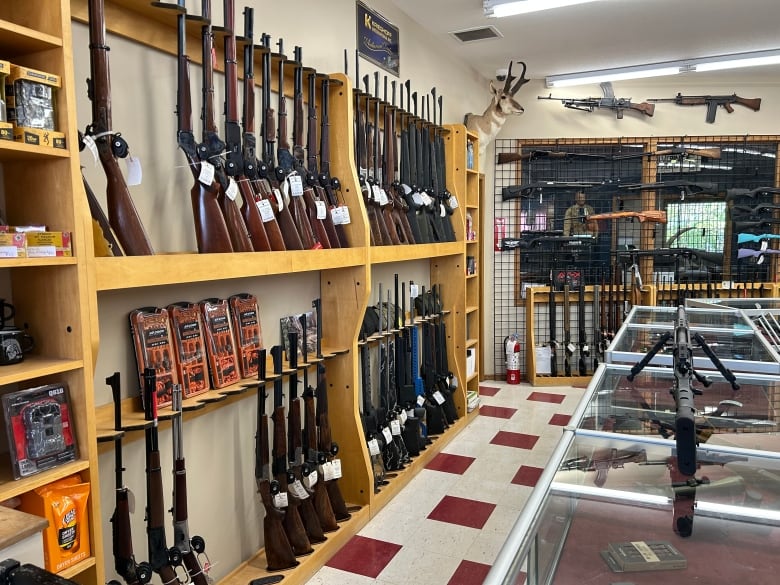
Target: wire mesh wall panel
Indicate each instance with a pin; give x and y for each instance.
(684, 215)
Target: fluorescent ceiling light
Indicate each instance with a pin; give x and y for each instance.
(498, 8)
(704, 64)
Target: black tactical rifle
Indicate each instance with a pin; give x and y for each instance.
(526, 190)
(568, 346)
(132, 572)
(552, 342)
(437, 418)
(584, 349)
(374, 439)
(751, 193)
(538, 239)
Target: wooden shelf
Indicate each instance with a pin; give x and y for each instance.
(36, 262)
(19, 151)
(36, 367)
(19, 40)
(471, 309)
(78, 568)
(471, 343)
(382, 254)
(9, 487)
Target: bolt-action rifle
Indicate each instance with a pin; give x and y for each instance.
(649, 215)
(526, 190)
(686, 188)
(759, 224)
(748, 253)
(755, 211)
(608, 101)
(278, 552)
(535, 239)
(732, 194)
(711, 152)
(745, 238)
(161, 559)
(712, 102)
(339, 212)
(122, 214)
(510, 157)
(125, 565)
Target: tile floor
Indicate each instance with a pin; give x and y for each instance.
(448, 524)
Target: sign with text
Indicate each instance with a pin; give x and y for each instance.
(377, 39)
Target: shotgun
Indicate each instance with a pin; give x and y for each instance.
(584, 349)
(395, 419)
(374, 439)
(444, 375)
(339, 212)
(278, 552)
(211, 148)
(444, 211)
(552, 342)
(160, 559)
(361, 161)
(293, 526)
(568, 346)
(381, 198)
(122, 214)
(754, 212)
(125, 565)
(188, 547)
(291, 182)
(758, 224)
(409, 179)
(732, 194)
(401, 207)
(745, 238)
(412, 416)
(390, 210)
(437, 418)
(649, 215)
(268, 184)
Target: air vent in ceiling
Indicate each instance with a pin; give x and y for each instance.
(476, 34)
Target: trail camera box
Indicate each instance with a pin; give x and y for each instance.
(39, 137)
(48, 244)
(249, 334)
(30, 100)
(151, 332)
(220, 342)
(13, 245)
(6, 128)
(190, 346)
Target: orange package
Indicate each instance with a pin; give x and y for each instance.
(64, 504)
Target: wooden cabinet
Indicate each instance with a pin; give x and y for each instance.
(42, 185)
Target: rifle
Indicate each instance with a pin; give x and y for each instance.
(103, 237)
(300, 471)
(368, 187)
(745, 238)
(396, 415)
(532, 239)
(384, 219)
(415, 213)
(583, 336)
(608, 101)
(526, 190)
(278, 552)
(649, 215)
(752, 193)
(510, 157)
(369, 419)
(12, 572)
(125, 564)
(602, 460)
(712, 102)
(339, 212)
(568, 346)
(760, 224)
(398, 190)
(444, 375)
(754, 211)
(748, 253)
(122, 214)
(241, 224)
(396, 221)
(715, 258)
(293, 527)
(713, 152)
(268, 183)
(211, 232)
(413, 417)
(186, 546)
(685, 187)
(160, 558)
(551, 341)
(597, 320)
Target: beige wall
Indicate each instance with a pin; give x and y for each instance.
(223, 505)
(549, 119)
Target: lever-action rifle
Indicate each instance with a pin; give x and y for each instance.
(161, 559)
(278, 552)
(745, 238)
(608, 101)
(649, 215)
(752, 193)
(712, 102)
(125, 564)
(122, 214)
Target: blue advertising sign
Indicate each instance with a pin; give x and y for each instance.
(377, 39)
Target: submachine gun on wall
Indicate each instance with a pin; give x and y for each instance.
(608, 101)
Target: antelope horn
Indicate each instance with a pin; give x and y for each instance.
(520, 82)
(509, 78)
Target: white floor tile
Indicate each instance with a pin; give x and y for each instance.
(415, 566)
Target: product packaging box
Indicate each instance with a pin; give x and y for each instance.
(64, 504)
(220, 344)
(151, 333)
(40, 429)
(249, 334)
(13, 245)
(190, 346)
(6, 128)
(48, 244)
(30, 97)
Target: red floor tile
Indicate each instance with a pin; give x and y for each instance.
(560, 420)
(450, 463)
(527, 475)
(488, 390)
(462, 511)
(469, 573)
(364, 556)
(497, 411)
(546, 397)
(519, 440)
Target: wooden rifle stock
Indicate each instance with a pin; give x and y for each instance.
(328, 447)
(328, 183)
(320, 496)
(649, 215)
(103, 238)
(122, 214)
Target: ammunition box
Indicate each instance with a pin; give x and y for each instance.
(13, 245)
(48, 244)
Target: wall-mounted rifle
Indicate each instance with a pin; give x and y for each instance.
(339, 211)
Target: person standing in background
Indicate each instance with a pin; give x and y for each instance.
(575, 222)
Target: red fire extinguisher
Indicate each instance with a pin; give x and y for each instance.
(512, 346)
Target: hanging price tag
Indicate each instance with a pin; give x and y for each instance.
(327, 471)
(279, 199)
(395, 427)
(373, 447)
(296, 488)
(336, 465)
(232, 190)
(453, 201)
(403, 417)
(437, 396)
(322, 210)
(383, 198)
(387, 435)
(335, 216)
(296, 185)
(280, 500)
(206, 175)
(344, 210)
(418, 198)
(311, 480)
(89, 142)
(134, 172)
(420, 400)
(265, 209)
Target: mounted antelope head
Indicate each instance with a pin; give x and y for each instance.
(503, 104)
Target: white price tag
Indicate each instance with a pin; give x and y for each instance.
(279, 199)
(322, 210)
(296, 488)
(280, 500)
(442, 211)
(570, 348)
(383, 198)
(418, 198)
(420, 400)
(403, 417)
(427, 199)
(437, 396)
(335, 216)
(344, 210)
(327, 471)
(373, 447)
(376, 195)
(336, 465)
(232, 189)
(585, 348)
(311, 480)
(453, 201)
(89, 142)
(395, 427)
(387, 435)
(134, 171)
(206, 175)
(265, 209)
(296, 185)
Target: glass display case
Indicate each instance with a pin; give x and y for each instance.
(764, 312)
(731, 335)
(612, 489)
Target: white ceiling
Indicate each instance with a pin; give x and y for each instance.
(604, 34)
